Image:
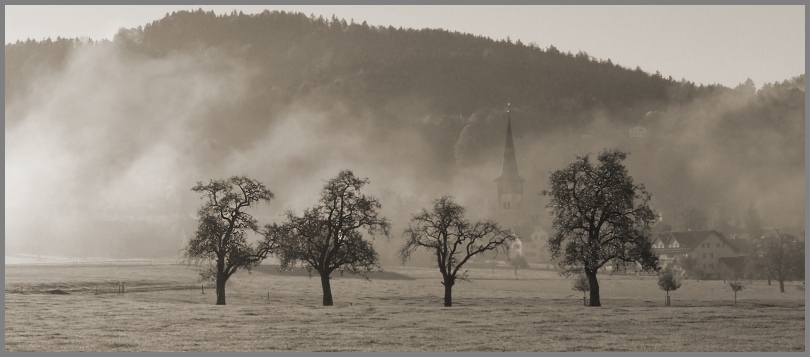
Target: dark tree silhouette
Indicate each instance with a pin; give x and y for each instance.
(327, 237)
(599, 216)
(220, 238)
(453, 240)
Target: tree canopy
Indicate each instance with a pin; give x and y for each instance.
(600, 216)
(669, 281)
(453, 239)
(328, 237)
(220, 239)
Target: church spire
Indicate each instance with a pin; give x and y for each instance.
(509, 172)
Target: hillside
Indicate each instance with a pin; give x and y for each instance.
(125, 127)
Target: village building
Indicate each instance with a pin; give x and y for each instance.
(533, 243)
(710, 249)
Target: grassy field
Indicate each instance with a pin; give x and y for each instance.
(398, 311)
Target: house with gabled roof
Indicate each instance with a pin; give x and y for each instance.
(706, 247)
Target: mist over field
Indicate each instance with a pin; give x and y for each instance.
(104, 140)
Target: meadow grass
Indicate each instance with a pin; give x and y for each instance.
(532, 311)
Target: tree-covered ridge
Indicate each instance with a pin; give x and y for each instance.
(456, 73)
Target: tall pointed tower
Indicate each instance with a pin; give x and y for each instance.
(510, 184)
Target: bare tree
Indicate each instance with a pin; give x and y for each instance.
(600, 216)
(326, 237)
(220, 239)
(668, 281)
(780, 258)
(453, 240)
(736, 286)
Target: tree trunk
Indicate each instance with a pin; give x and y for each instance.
(594, 288)
(221, 279)
(781, 286)
(448, 293)
(327, 289)
(769, 281)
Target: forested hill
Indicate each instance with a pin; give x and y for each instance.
(452, 73)
(291, 99)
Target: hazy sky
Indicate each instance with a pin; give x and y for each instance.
(704, 44)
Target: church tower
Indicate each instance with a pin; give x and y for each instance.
(510, 211)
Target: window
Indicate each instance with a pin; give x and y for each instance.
(508, 205)
(711, 255)
(704, 255)
(711, 266)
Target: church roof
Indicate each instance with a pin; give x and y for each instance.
(510, 170)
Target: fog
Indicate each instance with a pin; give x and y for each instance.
(115, 138)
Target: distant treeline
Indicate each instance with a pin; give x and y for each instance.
(455, 73)
(452, 73)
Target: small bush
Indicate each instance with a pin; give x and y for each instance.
(669, 281)
(581, 284)
(736, 286)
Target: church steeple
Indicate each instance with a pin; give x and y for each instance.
(510, 210)
(509, 181)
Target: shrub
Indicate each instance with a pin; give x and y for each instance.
(668, 281)
(736, 286)
(581, 284)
